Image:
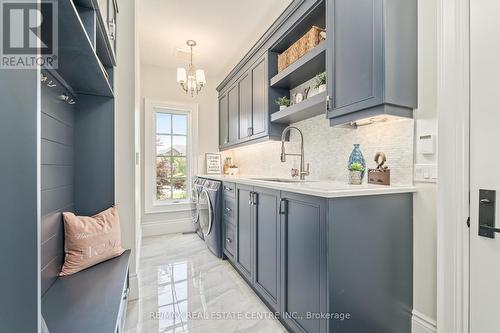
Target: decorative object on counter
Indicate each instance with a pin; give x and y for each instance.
(357, 157)
(307, 42)
(283, 102)
(214, 165)
(356, 171)
(320, 82)
(233, 170)
(382, 174)
(191, 80)
(228, 161)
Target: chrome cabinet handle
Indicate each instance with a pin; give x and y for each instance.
(228, 209)
(227, 188)
(229, 240)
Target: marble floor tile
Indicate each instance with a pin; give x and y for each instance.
(184, 288)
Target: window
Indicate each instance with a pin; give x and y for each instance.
(170, 155)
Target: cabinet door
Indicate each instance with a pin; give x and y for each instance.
(223, 120)
(244, 231)
(267, 245)
(245, 90)
(303, 235)
(233, 110)
(260, 85)
(355, 55)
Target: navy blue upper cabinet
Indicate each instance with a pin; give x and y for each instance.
(223, 120)
(371, 59)
(247, 107)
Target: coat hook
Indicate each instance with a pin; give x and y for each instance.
(64, 97)
(51, 84)
(71, 101)
(43, 78)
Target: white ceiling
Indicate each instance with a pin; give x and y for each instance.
(224, 30)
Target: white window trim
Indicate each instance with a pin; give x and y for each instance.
(151, 204)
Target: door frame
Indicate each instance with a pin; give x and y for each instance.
(453, 185)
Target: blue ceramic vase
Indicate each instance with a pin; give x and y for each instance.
(357, 157)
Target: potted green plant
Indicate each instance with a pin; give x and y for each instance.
(355, 173)
(320, 82)
(283, 102)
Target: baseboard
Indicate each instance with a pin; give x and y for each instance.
(133, 280)
(422, 323)
(166, 227)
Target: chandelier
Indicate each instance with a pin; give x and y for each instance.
(191, 80)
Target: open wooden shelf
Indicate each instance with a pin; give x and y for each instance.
(313, 106)
(305, 68)
(78, 61)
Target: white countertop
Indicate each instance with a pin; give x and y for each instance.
(318, 188)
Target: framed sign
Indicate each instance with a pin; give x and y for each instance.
(214, 163)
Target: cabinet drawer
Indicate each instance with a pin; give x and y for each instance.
(228, 208)
(228, 190)
(229, 239)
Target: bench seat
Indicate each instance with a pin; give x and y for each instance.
(93, 300)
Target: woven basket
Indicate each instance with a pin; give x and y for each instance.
(307, 42)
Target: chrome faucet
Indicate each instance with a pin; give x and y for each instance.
(303, 172)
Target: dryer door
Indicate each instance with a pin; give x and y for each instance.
(205, 213)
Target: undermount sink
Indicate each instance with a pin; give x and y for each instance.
(281, 180)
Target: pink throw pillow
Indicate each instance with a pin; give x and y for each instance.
(90, 240)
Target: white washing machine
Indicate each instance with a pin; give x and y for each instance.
(195, 199)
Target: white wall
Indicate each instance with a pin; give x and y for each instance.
(424, 203)
(125, 90)
(327, 149)
(160, 84)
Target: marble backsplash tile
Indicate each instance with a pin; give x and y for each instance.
(327, 149)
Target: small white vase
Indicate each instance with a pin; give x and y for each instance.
(355, 178)
(321, 88)
(283, 107)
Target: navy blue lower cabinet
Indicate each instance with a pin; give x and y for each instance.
(267, 246)
(244, 231)
(370, 262)
(303, 262)
(341, 265)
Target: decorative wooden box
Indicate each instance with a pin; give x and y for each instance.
(379, 176)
